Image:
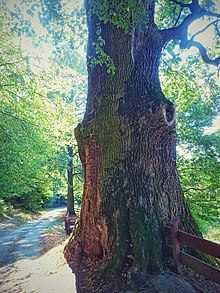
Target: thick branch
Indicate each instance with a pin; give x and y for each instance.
(151, 12)
(181, 31)
(202, 51)
(195, 8)
(149, 7)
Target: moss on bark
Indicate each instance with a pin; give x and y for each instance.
(127, 148)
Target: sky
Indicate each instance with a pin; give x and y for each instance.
(206, 37)
(44, 52)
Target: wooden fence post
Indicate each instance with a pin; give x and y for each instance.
(175, 243)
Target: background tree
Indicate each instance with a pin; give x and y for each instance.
(127, 137)
(195, 91)
(37, 121)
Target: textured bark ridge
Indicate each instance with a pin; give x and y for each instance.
(127, 144)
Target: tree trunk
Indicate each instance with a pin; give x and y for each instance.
(70, 194)
(127, 145)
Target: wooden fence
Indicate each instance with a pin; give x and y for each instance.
(180, 257)
(69, 222)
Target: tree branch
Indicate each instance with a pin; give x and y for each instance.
(9, 91)
(180, 3)
(217, 29)
(178, 17)
(22, 121)
(196, 189)
(12, 84)
(195, 7)
(204, 29)
(180, 32)
(196, 12)
(11, 63)
(202, 51)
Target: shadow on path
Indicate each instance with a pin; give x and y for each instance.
(24, 266)
(23, 242)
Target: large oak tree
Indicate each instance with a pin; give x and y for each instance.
(127, 139)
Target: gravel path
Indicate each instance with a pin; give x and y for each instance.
(24, 265)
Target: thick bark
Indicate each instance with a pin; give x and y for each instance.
(127, 147)
(70, 194)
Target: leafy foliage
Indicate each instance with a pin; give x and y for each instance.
(194, 89)
(120, 13)
(39, 110)
(37, 124)
(101, 57)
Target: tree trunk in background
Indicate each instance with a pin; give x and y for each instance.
(70, 195)
(127, 145)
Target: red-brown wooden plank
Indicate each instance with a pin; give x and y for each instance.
(175, 244)
(200, 267)
(204, 245)
(207, 246)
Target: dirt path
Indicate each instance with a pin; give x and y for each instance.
(24, 265)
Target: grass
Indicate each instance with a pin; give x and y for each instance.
(213, 233)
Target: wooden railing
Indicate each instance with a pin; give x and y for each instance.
(69, 223)
(180, 257)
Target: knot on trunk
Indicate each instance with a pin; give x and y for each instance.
(169, 115)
